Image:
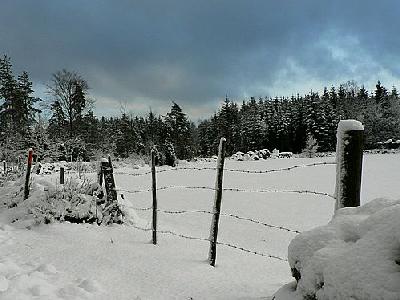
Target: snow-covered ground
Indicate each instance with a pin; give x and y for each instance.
(71, 261)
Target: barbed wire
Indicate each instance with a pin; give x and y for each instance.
(141, 208)
(279, 191)
(281, 169)
(178, 212)
(218, 243)
(231, 170)
(252, 251)
(222, 214)
(260, 223)
(227, 189)
(141, 228)
(133, 174)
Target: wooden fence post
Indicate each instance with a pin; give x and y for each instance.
(78, 167)
(349, 156)
(154, 190)
(28, 173)
(217, 204)
(100, 175)
(109, 182)
(61, 175)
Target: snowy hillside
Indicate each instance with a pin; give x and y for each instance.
(83, 261)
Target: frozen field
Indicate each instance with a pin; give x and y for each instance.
(70, 261)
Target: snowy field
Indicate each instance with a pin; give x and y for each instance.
(70, 261)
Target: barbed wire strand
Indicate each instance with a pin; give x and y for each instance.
(260, 223)
(281, 169)
(231, 170)
(252, 251)
(279, 191)
(231, 216)
(218, 243)
(141, 208)
(228, 189)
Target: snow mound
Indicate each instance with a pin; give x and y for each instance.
(355, 256)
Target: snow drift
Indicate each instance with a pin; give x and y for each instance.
(355, 256)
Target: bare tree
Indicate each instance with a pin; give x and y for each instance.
(69, 90)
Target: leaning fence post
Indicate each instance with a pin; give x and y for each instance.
(109, 182)
(100, 175)
(217, 204)
(154, 190)
(28, 173)
(349, 156)
(61, 175)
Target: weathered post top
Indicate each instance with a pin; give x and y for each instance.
(349, 156)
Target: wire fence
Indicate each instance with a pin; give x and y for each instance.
(251, 220)
(225, 189)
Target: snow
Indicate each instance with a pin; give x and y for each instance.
(288, 292)
(355, 256)
(83, 261)
(347, 125)
(21, 279)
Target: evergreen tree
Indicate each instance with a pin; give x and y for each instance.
(17, 110)
(251, 127)
(179, 132)
(228, 118)
(8, 97)
(25, 110)
(380, 93)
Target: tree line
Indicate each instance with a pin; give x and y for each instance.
(287, 123)
(73, 131)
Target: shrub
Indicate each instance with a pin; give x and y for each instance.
(78, 201)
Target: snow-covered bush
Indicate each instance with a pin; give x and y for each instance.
(49, 168)
(77, 201)
(285, 154)
(251, 155)
(389, 144)
(355, 256)
(11, 175)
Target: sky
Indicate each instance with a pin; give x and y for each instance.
(142, 55)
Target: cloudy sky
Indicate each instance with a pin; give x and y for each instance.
(144, 54)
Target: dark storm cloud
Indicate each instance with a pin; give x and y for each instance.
(150, 52)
